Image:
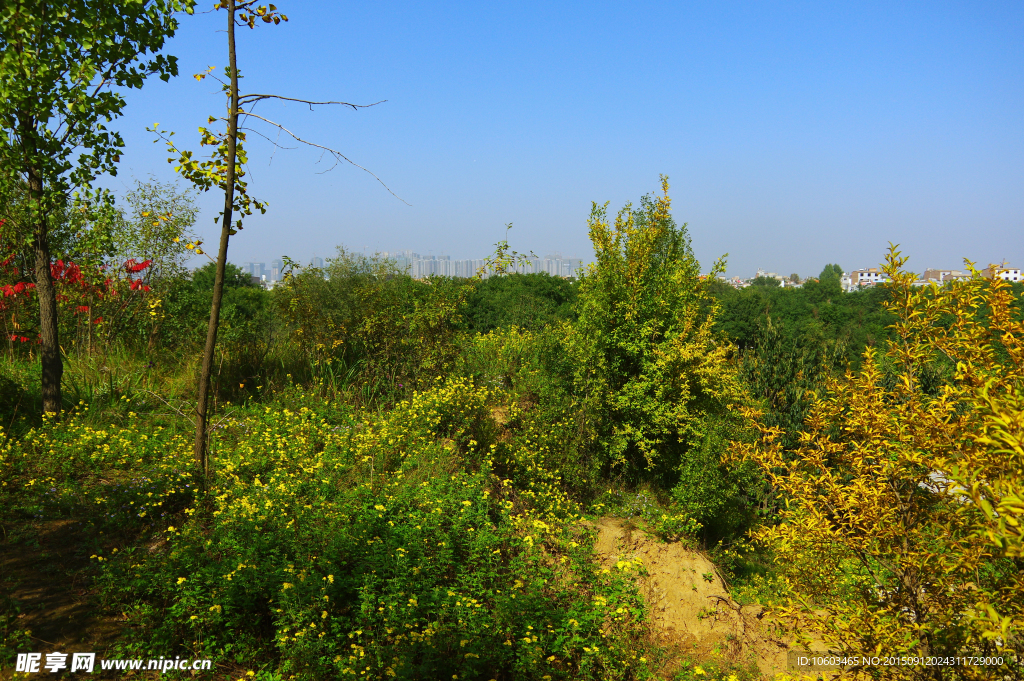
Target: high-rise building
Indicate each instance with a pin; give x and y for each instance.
(256, 269)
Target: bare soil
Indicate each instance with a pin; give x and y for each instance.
(690, 610)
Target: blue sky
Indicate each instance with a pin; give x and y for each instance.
(793, 134)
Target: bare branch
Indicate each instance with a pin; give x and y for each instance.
(226, 417)
(252, 99)
(254, 130)
(338, 156)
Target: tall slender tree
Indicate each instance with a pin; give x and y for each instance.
(61, 66)
(226, 170)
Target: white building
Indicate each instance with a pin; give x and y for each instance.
(1004, 272)
(867, 277)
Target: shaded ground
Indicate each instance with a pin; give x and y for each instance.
(43, 571)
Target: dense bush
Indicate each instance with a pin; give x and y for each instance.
(903, 499)
(816, 313)
(648, 363)
(247, 322)
(786, 375)
(529, 301)
(363, 319)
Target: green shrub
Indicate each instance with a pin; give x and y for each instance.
(721, 496)
(649, 366)
(362, 319)
(529, 301)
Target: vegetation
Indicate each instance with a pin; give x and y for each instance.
(877, 539)
(391, 493)
(401, 469)
(529, 301)
(389, 477)
(57, 65)
(817, 313)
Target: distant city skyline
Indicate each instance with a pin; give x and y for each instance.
(793, 134)
(419, 266)
(845, 260)
(447, 265)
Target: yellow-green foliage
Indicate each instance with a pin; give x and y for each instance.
(502, 356)
(649, 365)
(410, 334)
(365, 312)
(384, 546)
(323, 306)
(123, 474)
(886, 550)
(541, 444)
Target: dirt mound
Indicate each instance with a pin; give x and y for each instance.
(689, 607)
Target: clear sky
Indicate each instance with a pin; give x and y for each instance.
(793, 134)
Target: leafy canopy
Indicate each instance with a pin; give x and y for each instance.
(58, 65)
(831, 272)
(156, 224)
(766, 282)
(529, 301)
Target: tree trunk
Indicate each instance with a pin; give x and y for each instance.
(49, 352)
(201, 440)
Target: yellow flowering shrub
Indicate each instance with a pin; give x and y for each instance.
(365, 545)
(649, 365)
(115, 476)
(903, 501)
